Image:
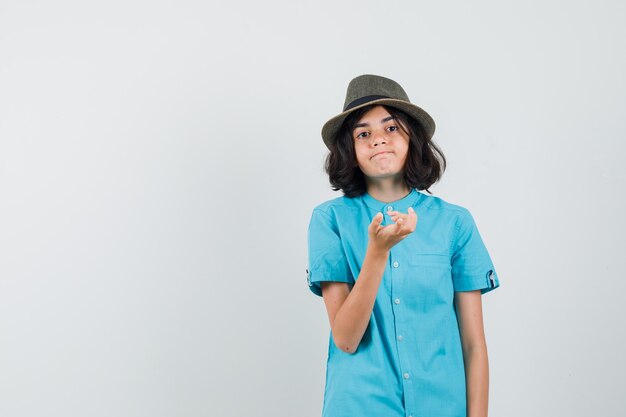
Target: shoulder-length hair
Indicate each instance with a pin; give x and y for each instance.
(425, 162)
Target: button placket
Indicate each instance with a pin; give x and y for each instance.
(397, 299)
(403, 345)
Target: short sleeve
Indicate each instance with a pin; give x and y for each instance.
(327, 257)
(472, 268)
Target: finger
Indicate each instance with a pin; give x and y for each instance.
(400, 216)
(412, 216)
(377, 220)
(399, 224)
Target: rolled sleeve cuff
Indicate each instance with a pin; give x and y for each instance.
(340, 273)
(484, 283)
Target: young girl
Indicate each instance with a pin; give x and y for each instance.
(401, 272)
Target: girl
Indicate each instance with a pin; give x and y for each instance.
(401, 272)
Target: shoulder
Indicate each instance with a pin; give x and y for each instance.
(432, 202)
(338, 205)
(337, 213)
(455, 216)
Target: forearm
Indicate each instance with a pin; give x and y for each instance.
(353, 317)
(477, 381)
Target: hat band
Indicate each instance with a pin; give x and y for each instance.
(363, 100)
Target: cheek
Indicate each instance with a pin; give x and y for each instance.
(405, 156)
(358, 154)
(407, 146)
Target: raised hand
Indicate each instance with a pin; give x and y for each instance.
(385, 237)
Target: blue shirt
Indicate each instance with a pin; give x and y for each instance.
(410, 360)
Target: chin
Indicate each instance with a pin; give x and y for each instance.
(386, 174)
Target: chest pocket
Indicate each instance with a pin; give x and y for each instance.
(431, 276)
(434, 260)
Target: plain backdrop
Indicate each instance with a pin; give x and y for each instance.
(159, 162)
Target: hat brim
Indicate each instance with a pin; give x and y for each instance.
(331, 127)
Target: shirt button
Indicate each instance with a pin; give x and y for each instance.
(389, 208)
(406, 375)
(396, 264)
(400, 337)
(397, 301)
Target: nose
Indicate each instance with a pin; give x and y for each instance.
(378, 137)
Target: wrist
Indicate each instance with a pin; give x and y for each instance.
(376, 251)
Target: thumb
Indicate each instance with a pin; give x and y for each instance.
(378, 219)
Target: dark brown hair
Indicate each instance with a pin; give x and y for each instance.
(425, 162)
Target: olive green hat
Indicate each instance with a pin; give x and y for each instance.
(368, 89)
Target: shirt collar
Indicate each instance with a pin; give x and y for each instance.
(402, 205)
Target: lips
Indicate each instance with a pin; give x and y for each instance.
(380, 153)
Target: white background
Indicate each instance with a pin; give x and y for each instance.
(159, 162)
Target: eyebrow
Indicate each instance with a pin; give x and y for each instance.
(386, 119)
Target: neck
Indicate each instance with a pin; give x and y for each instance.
(387, 190)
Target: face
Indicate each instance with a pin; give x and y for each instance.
(381, 145)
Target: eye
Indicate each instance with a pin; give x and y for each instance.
(393, 128)
(362, 135)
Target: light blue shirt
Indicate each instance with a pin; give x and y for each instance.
(410, 360)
